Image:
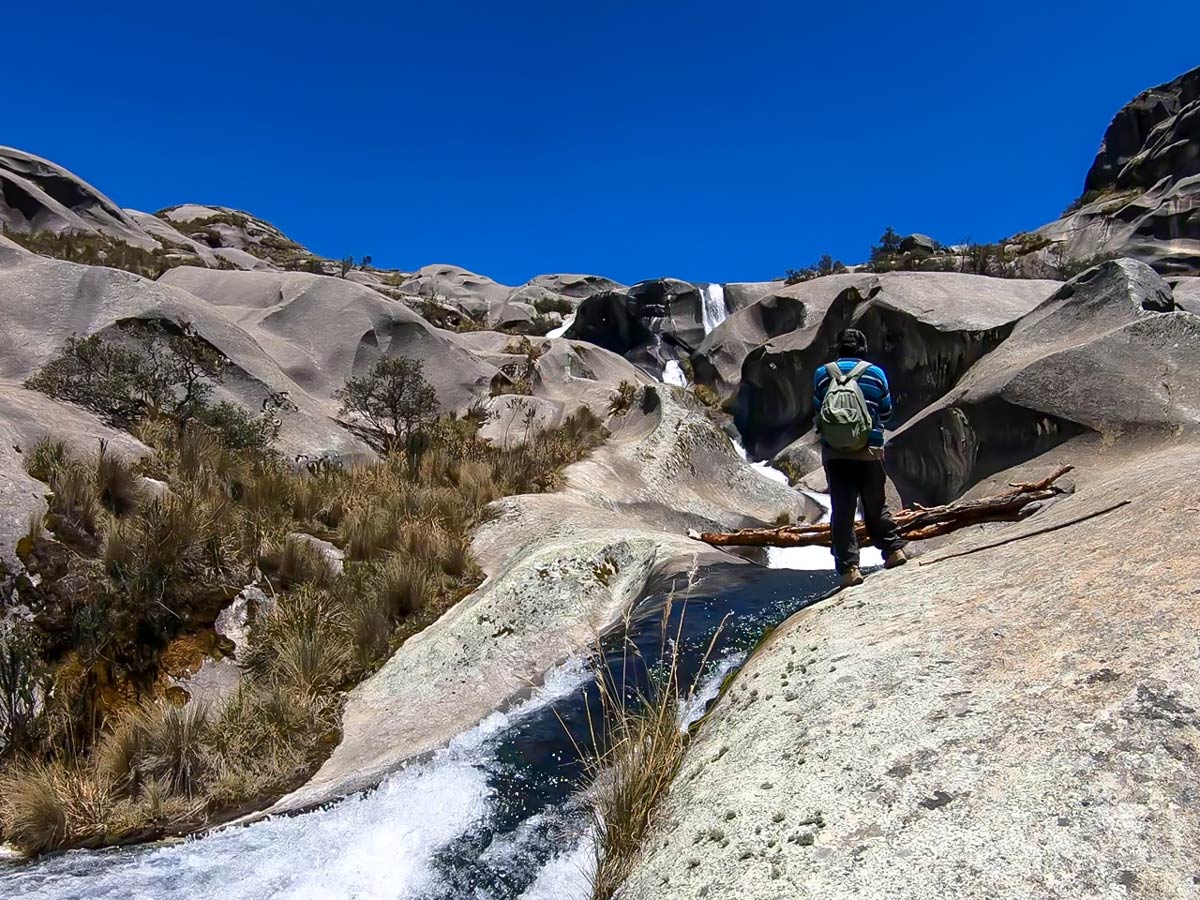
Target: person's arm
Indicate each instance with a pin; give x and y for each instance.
(820, 386)
(885, 401)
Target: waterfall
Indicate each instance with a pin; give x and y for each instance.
(712, 306)
(561, 329)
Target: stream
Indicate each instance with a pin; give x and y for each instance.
(496, 815)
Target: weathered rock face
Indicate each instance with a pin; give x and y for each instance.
(324, 330)
(925, 328)
(472, 293)
(243, 240)
(46, 301)
(1145, 182)
(964, 730)
(1187, 294)
(650, 323)
(1124, 158)
(578, 287)
(1098, 356)
(561, 567)
(37, 195)
(717, 362)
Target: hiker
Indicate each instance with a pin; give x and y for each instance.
(853, 402)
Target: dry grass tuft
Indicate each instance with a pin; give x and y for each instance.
(118, 489)
(32, 808)
(636, 758)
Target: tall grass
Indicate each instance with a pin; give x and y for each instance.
(145, 568)
(637, 748)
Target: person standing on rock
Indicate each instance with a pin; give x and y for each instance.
(853, 401)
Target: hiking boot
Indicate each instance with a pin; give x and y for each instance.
(895, 558)
(852, 577)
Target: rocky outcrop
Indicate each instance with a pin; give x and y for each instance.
(775, 311)
(1021, 722)
(323, 330)
(1127, 155)
(1142, 194)
(37, 195)
(47, 301)
(561, 567)
(650, 323)
(1104, 355)
(242, 240)
(577, 287)
(1187, 294)
(925, 328)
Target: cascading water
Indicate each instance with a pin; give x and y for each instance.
(561, 329)
(712, 306)
(499, 814)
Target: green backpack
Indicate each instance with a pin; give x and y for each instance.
(844, 420)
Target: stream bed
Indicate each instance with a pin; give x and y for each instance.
(499, 814)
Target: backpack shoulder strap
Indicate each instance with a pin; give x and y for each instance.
(835, 373)
(858, 371)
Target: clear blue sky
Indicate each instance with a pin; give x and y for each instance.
(709, 141)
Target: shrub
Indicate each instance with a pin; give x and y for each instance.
(166, 745)
(21, 685)
(45, 458)
(404, 585)
(623, 398)
(118, 489)
(32, 807)
(391, 404)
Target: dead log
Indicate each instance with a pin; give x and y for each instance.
(915, 524)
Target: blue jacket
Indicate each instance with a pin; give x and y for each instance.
(874, 385)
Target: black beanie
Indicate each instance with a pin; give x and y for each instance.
(852, 342)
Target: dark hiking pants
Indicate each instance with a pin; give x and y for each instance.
(851, 480)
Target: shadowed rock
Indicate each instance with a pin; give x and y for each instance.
(1143, 189)
(1097, 357)
(37, 195)
(925, 328)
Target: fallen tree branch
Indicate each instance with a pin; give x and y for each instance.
(918, 523)
(1028, 534)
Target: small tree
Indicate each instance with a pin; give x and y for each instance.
(393, 403)
(889, 241)
(366, 262)
(345, 266)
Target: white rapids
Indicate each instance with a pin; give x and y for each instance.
(375, 846)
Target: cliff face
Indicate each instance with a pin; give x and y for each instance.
(1152, 136)
(1142, 194)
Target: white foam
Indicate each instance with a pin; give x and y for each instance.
(567, 876)
(368, 847)
(692, 708)
(673, 374)
(561, 329)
